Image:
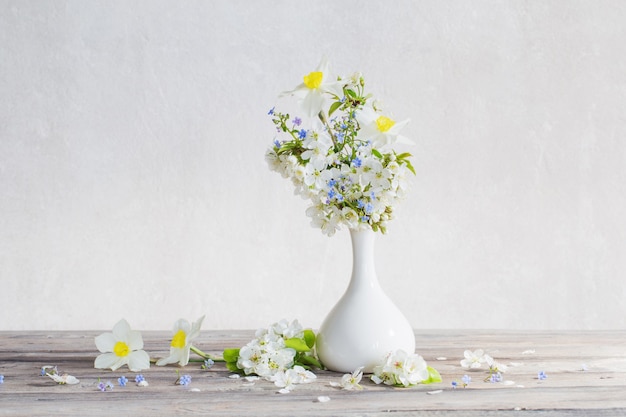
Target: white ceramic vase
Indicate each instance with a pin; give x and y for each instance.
(365, 325)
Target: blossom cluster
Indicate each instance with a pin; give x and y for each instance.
(275, 349)
(404, 369)
(343, 161)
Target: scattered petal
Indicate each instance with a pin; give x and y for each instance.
(234, 376)
(584, 368)
(143, 383)
(284, 391)
(528, 352)
(323, 399)
(442, 358)
(508, 382)
(195, 390)
(251, 378)
(438, 391)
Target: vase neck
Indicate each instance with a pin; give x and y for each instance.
(363, 267)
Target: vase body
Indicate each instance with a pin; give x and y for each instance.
(364, 325)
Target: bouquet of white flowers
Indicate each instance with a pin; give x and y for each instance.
(344, 161)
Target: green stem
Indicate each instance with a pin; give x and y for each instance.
(322, 117)
(206, 355)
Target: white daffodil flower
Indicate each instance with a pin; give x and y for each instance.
(380, 130)
(121, 347)
(184, 334)
(314, 88)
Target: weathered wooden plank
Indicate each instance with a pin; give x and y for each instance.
(600, 389)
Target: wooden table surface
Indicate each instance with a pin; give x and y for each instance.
(586, 375)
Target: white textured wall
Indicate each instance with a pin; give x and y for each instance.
(133, 183)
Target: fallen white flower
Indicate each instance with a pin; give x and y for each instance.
(475, 359)
(64, 379)
(350, 381)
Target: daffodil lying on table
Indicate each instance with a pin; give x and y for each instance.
(124, 346)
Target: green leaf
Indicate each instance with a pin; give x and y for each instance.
(298, 344)
(404, 155)
(377, 154)
(334, 107)
(351, 93)
(231, 355)
(310, 361)
(410, 167)
(433, 376)
(309, 338)
(232, 366)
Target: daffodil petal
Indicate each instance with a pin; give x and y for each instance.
(105, 342)
(138, 360)
(121, 329)
(108, 360)
(182, 324)
(313, 103)
(195, 328)
(135, 341)
(184, 356)
(175, 356)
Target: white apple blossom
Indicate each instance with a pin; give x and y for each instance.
(474, 359)
(350, 381)
(401, 369)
